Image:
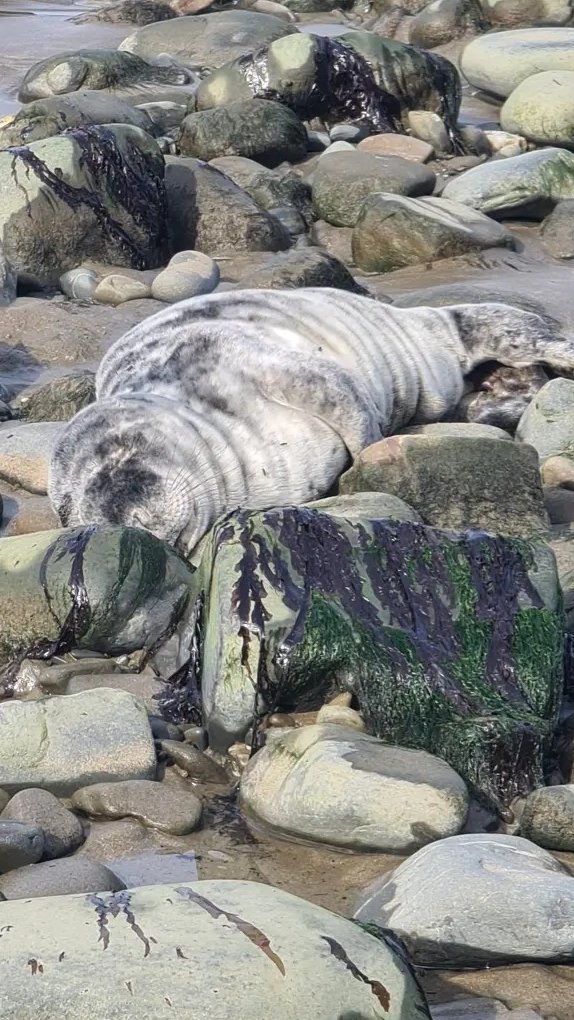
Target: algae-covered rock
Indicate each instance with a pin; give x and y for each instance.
(264, 131)
(314, 76)
(418, 80)
(451, 643)
(92, 193)
(111, 589)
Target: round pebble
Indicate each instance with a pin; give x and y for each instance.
(79, 284)
(189, 274)
(63, 832)
(158, 807)
(59, 878)
(198, 765)
(20, 844)
(116, 289)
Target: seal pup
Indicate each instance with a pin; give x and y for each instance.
(260, 398)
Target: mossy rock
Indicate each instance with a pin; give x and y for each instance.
(452, 643)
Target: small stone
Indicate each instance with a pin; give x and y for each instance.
(348, 133)
(59, 878)
(430, 128)
(116, 289)
(505, 143)
(188, 274)
(548, 817)
(79, 283)
(154, 805)
(63, 832)
(198, 766)
(558, 472)
(280, 719)
(339, 146)
(20, 844)
(197, 736)
(340, 715)
(164, 730)
(397, 145)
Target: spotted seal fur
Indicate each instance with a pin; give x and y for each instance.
(257, 398)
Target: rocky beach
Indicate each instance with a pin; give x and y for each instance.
(324, 762)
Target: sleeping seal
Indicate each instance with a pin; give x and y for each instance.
(258, 398)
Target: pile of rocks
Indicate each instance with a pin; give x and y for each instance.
(406, 692)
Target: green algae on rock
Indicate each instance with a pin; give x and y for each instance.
(451, 643)
(110, 589)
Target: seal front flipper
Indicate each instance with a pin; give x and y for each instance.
(324, 389)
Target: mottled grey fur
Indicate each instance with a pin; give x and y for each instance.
(260, 398)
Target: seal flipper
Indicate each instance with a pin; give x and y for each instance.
(326, 390)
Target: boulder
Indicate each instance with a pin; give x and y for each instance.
(527, 186)
(391, 144)
(155, 805)
(268, 188)
(417, 79)
(259, 129)
(58, 878)
(47, 117)
(61, 744)
(393, 231)
(548, 817)
(95, 192)
(541, 108)
(497, 886)
(548, 422)
(499, 61)
(444, 20)
(557, 231)
(331, 784)
(56, 400)
(109, 589)
(20, 844)
(511, 13)
(207, 40)
(343, 180)
(314, 76)
(63, 832)
(165, 939)
(208, 212)
(456, 479)
(94, 69)
(467, 627)
(188, 274)
(303, 267)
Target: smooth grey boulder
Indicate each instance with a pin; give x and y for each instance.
(498, 61)
(548, 422)
(477, 899)
(557, 231)
(331, 784)
(257, 128)
(343, 180)
(163, 940)
(529, 185)
(59, 878)
(62, 744)
(20, 844)
(168, 809)
(207, 40)
(208, 212)
(394, 231)
(63, 832)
